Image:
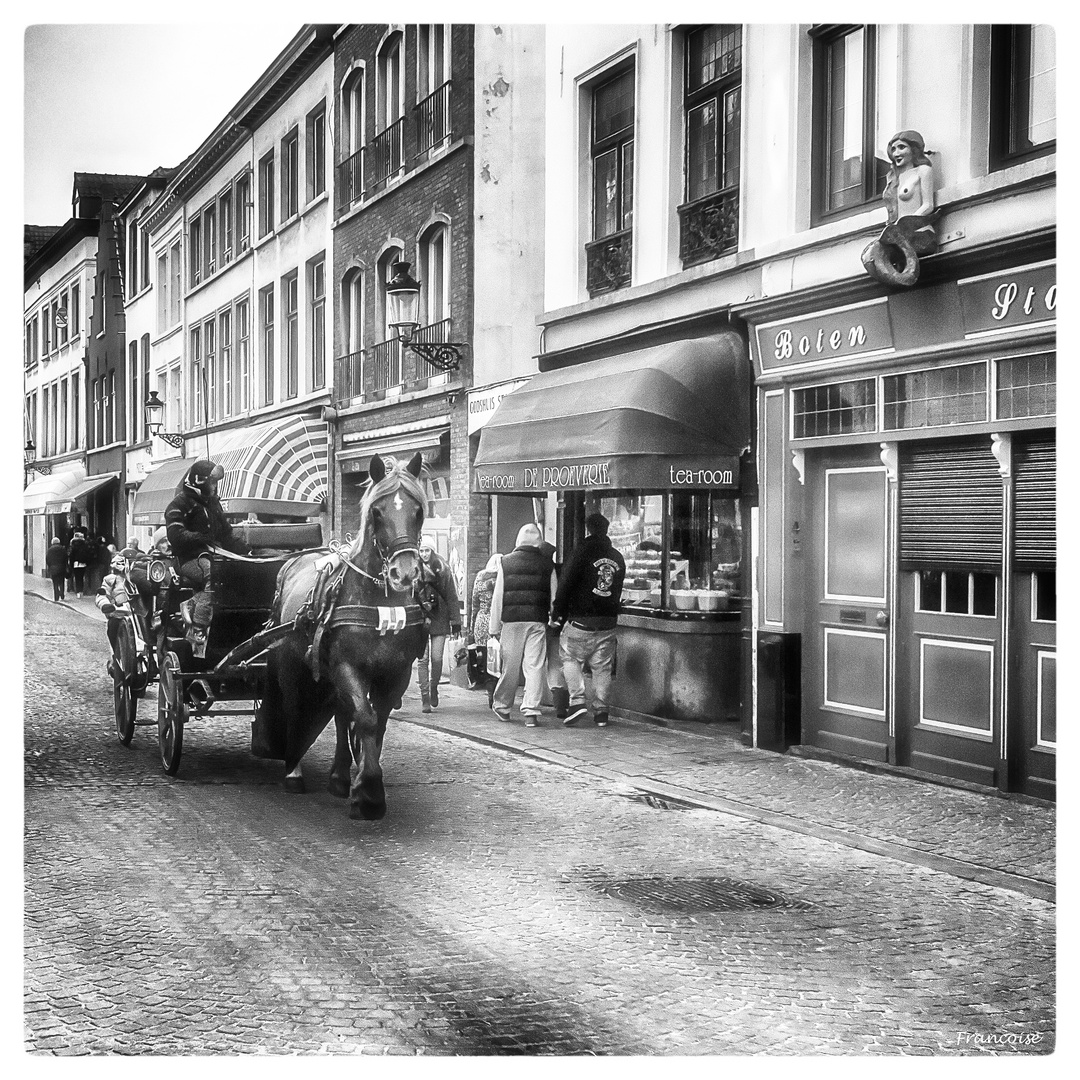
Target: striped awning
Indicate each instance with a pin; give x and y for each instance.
(49, 487)
(279, 467)
(76, 497)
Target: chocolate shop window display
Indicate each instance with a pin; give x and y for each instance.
(683, 550)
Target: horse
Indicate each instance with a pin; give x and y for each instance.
(351, 652)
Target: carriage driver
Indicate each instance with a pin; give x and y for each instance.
(194, 522)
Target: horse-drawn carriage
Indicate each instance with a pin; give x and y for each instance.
(301, 631)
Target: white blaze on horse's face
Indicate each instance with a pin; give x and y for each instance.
(398, 504)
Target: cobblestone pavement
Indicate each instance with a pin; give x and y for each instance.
(492, 912)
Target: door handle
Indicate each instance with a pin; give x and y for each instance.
(881, 618)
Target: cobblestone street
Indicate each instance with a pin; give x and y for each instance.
(506, 905)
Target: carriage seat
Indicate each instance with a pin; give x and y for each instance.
(276, 537)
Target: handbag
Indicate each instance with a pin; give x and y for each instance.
(494, 656)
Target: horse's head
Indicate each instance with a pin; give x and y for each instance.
(392, 516)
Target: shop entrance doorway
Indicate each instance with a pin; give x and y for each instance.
(847, 676)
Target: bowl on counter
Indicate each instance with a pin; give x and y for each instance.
(635, 596)
(684, 600)
(712, 600)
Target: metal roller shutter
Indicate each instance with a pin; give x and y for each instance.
(950, 506)
(1034, 478)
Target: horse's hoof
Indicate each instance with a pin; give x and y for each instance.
(361, 810)
(294, 785)
(338, 786)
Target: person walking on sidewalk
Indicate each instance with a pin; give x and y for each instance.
(586, 608)
(78, 560)
(56, 567)
(442, 616)
(520, 610)
(482, 593)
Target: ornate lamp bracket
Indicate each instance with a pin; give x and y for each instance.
(441, 355)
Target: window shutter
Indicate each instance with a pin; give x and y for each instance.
(1035, 487)
(950, 506)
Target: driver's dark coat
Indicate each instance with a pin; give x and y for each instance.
(193, 525)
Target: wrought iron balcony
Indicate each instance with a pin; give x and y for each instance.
(350, 180)
(709, 227)
(608, 262)
(386, 153)
(349, 376)
(433, 119)
(384, 366)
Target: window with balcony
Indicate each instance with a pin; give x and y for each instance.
(266, 343)
(387, 147)
(315, 146)
(266, 194)
(432, 85)
(846, 172)
(290, 310)
(348, 371)
(384, 357)
(350, 170)
(609, 254)
(290, 175)
(1023, 94)
(712, 102)
(316, 291)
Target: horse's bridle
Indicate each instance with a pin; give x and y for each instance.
(400, 545)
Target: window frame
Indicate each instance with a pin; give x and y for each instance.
(316, 304)
(290, 173)
(1003, 121)
(266, 194)
(824, 38)
(315, 152)
(290, 310)
(267, 314)
(617, 142)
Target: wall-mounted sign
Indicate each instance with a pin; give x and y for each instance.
(827, 335)
(994, 303)
(483, 403)
(645, 472)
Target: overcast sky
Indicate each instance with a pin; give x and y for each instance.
(127, 98)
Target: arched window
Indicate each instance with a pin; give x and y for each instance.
(390, 100)
(351, 170)
(385, 358)
(434, 276)
(350, 364)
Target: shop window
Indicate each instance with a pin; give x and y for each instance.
(956, 592)
(1027, 386)
(935, 398)
(847, 175)
(1023, 95)
(1044, 595)
(709, 220)
(835, 409)
(683, 551)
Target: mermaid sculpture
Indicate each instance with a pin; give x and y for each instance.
(893, 258)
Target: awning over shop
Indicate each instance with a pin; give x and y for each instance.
(52, 487)
(400, 442)
(279, 467)
(76, 497)
(671, 416)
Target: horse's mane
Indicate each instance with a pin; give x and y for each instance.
(397, 476)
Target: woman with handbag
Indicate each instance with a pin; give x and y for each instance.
(438, 600)
(482, 592)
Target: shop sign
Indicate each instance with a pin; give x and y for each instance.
(483, 403)
(649, 472)
(1006, 301)
(827, 335)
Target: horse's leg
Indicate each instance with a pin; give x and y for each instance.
(290, 674)
(367, 799)
(339, 771)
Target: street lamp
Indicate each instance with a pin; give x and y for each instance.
(30, 460)
(154, 408)
(403, 302)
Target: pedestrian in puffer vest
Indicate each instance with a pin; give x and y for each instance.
(520, 609)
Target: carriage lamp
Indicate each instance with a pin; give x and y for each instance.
(154, 408)
(403, 306)
(30, 460)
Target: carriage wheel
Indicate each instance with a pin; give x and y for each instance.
(125, 703)
(172, 714)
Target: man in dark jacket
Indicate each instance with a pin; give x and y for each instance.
(587, 608)
(56, 567)
(195, 522)
(520, 609)
(80, 556)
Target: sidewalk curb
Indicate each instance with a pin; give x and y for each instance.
(61, 603)
(1035, 888)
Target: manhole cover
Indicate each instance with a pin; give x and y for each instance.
(659, 893)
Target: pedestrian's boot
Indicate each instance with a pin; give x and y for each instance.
(560, 697)
(425, 701)
(434, 695)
